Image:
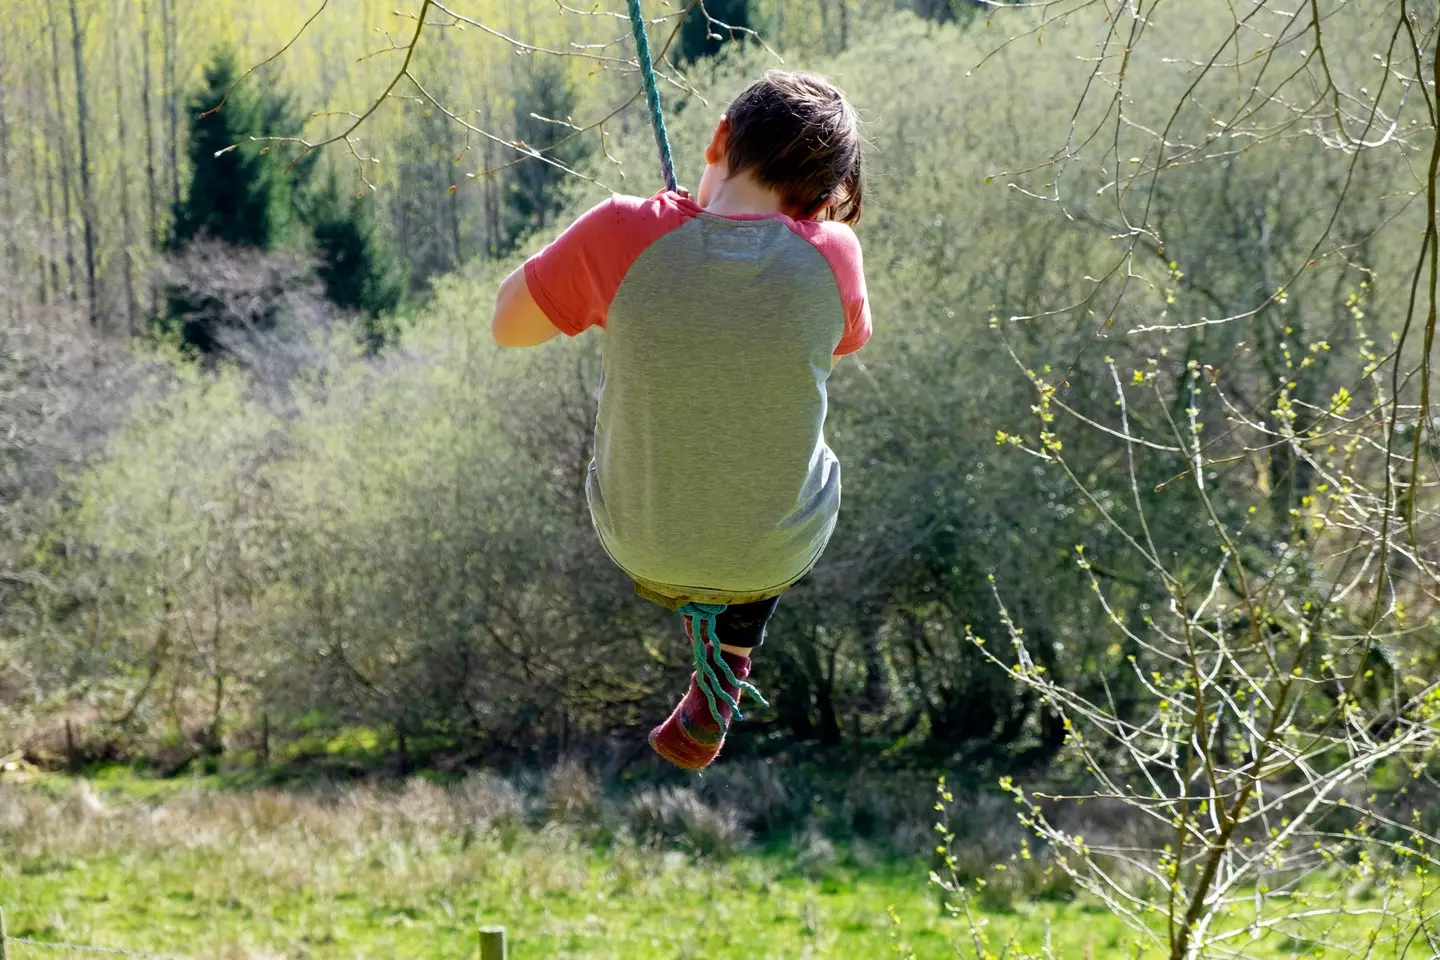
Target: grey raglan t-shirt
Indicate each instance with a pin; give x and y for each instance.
(711, 471)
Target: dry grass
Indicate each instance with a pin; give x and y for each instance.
(410, 870)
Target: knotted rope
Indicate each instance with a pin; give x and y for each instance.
(652, 95)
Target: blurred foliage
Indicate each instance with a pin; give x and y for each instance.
(710, 28)
(545, 114)
(356, 265)
(236, 194)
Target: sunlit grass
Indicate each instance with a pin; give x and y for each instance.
(366, 872)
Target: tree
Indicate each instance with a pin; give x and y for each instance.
(237, 194)
(426, 214)
(534, 194)
(357, 267)
(127, 230)
(7, 193)
(87, 194)
(63, 140)
(711, 25)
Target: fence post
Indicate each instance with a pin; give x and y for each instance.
(72, 761)
(492, 943)
(265, 739)
(2, 933)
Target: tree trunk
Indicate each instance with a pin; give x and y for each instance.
(215, 737)
(62, 142)
(147, 111)
(87, 196)
(171, 96)
(403, 743)
(491, 196)
(38, 216)
(7, 197)
(877, 687)
(49, 266)
(453, 201)
(823, 685)
(127, 229)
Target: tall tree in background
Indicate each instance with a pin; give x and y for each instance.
(533, 194)
(49, 265)
(87, 193)
(147, 107)
(62, 139)
(704, 31)
(426, 214)
(359, 270)
(127, 230)
(170, 95)
(240, 196)
(7, 200)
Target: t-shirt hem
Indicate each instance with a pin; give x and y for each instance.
(711, 594)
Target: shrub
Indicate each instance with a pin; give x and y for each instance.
(677, 815)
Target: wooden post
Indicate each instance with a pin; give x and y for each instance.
(492, 943)
(265, 739)
(3, 935)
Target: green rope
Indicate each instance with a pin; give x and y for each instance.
(701, 621)
(652, 96)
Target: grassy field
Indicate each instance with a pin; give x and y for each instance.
(411, 871)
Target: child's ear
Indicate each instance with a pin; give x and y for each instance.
(719, 141)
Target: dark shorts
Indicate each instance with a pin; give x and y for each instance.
(741, 625)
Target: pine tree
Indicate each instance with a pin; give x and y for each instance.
(699, 37)
(533, 193)
(238, 194)
(358, 268)
(428, 218)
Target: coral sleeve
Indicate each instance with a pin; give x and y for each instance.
(840, 247)
(574, 278)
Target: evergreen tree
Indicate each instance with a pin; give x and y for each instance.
(240, 196)
(533, 193)
(428, 219)
(701, 38)
(954, 11)
(358, 268)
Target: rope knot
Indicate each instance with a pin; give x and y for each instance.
(700, 619)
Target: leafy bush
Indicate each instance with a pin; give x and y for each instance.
(677, 815)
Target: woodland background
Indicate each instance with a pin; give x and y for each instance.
(1140, 473)
(265, 483)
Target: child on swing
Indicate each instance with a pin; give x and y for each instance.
(712, 486)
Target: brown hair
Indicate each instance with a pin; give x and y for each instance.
(796, 133)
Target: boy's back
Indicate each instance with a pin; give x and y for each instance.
(711, 473)
(712, 486)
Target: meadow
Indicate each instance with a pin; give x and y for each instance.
(211, 867)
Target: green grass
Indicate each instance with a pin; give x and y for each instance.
(556, 903)
(364, 872)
